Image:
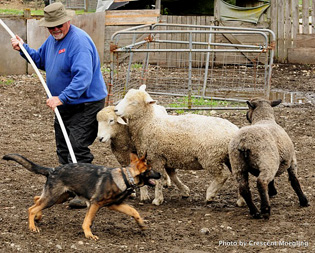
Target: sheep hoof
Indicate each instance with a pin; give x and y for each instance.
(256, 215)
(240, 202)
(266, 216)
(208, 202)
(265, 212)
(157, 202)
(304, 202)
(272, 194)
(145, 200)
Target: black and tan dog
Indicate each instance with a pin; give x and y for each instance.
(98, 185)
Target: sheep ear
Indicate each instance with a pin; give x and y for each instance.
(149, 100)
(250, 105)
(275, 102)
(120, 120)
(142, 87)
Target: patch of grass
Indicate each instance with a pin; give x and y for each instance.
(11, 12)
(201, 102)
(35, 12)
(136, 66)
(6, 81)
(105, 69)
(197, 101)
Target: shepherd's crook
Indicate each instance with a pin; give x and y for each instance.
(74, 160)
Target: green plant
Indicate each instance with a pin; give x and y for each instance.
(198, 101)
(136, 66)
(11, 12)
(6, 81)
(105, 69)
(34, 12)
(201, 102)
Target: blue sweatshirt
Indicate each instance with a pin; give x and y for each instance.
(72, 65)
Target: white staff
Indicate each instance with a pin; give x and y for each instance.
(74, 160)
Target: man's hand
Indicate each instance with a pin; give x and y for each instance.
(53, 102)
(15, 42)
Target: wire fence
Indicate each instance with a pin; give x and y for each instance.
(189, 64)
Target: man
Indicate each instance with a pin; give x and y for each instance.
(74, 79)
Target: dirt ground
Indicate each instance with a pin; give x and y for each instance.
(179, 225)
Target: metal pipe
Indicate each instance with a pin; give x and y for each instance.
(207, 66)
(204, 108)
(197, 96)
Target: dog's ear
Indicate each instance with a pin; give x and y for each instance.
(133, 157)
(144, 157)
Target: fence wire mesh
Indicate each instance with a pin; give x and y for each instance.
(191, 63)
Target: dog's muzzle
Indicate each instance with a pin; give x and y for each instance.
(148, 177)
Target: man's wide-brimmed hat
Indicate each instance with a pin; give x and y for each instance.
(56, 14)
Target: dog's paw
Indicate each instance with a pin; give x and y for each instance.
(91, 236)
(34, 229)
(38, 216)
(143, 227)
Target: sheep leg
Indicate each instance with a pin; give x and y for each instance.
(262, 185)
(240, 200)
(272, 191)
(166, 179)
(158, 165)
(158, 200)
(215, 186)
(185, 191)
(297, 187)
(244, 190)
(144, 194)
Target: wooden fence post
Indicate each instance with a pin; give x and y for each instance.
(274, 22)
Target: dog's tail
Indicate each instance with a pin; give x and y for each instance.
(29, 165)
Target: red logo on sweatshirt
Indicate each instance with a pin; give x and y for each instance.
(62, 51)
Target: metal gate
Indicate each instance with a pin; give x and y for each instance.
(192, 63)
(72, 4)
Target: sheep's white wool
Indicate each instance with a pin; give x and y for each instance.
(190, 142)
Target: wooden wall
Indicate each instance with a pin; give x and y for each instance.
(289, 20)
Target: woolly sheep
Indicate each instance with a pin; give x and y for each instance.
(114, 130)
(191, 142)
(265, 150)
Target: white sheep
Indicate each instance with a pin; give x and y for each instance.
(265, 150)
(190, 142)
(113, 129)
